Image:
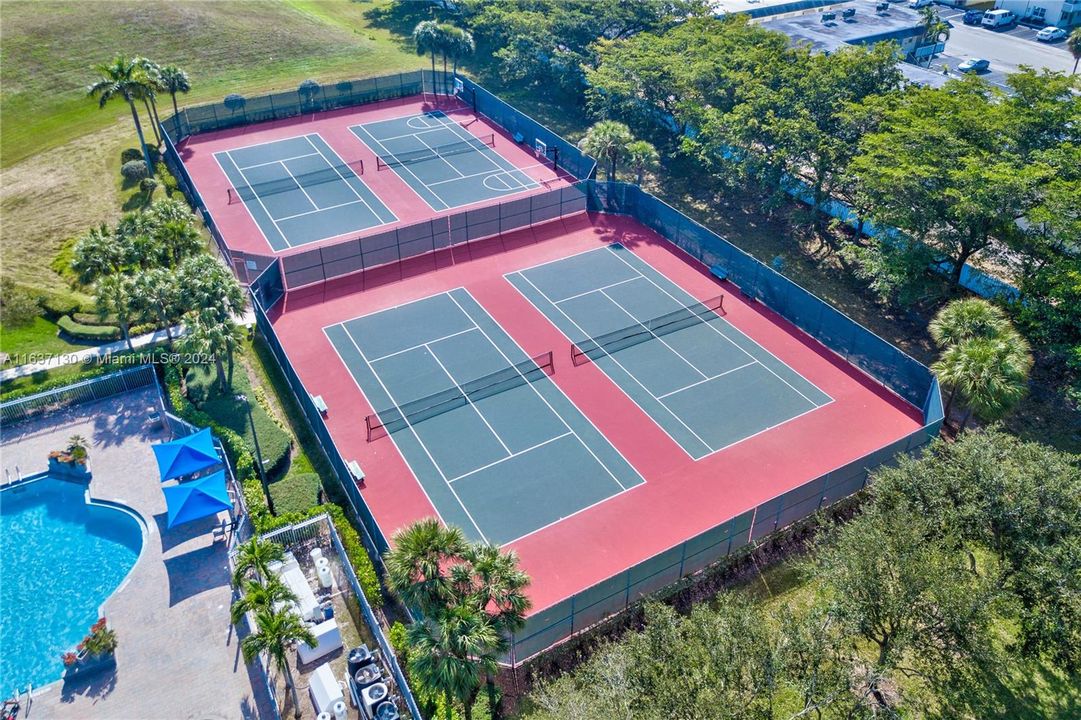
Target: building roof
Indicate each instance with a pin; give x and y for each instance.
(766, 8)
(866, 26)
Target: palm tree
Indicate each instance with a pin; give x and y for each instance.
(416, 565)
(172, 81)
(277, 633)
(114, 295)
(448, 651)
(966, 319)
(426, 39)
(99, 252)
(499, 590)
(255, 557)
(256, 596)
(209, 336)
(123, 78)
(460, 45)
(607, 140)
(157, 295)
(209, 285)
(153, 83)
(642, 157)
(1074, 46)
(175, 240)
(990, 374)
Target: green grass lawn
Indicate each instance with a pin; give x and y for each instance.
(34, 342)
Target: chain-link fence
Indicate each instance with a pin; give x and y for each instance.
(429, 236)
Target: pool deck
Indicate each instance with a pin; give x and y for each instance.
(178, 655)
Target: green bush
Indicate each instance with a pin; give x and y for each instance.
(167, 180)
(18, 306)
(86, 318)
(78, 331)
(89, 370)
(134, 170)
(296, 492)
(148, 185)
(56, 305)
(129, 154)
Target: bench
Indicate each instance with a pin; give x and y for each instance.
(355, 471)
(320, 404)
(718, 272)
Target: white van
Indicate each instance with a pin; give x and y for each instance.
(998, 18)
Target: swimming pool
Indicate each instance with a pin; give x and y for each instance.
(60, 558)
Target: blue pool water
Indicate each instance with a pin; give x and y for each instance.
(59, 560)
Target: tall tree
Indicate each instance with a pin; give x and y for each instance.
(99, 252)
(417, 567)
(936, 169)
(256, 596)
(966, 319)
(277, 632)
(208, 336)
(114, 295)
(123, 78)
(253, 558)
(153, 83)
(607, 141)
(447, 652)
(990, 375)
(460, 45)
(1074, 45)
(643, 158)
(426, 39)
(174, 80)
(156, 294)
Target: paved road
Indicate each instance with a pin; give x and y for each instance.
(1006, 49)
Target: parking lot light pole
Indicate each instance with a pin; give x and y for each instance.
(258, 455)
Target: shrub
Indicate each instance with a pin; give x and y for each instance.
(87, 371)
(86, 318)
(56, 305)
(96, 333)
(134, 170)
(148, 185)
(296, 492)
(17, 305)
(166, 178)
(129, 154)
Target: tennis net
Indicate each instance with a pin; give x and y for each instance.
(402, 416)
(294, 182)
(594, 347)
(414, 156)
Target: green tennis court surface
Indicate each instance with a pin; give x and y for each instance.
(496, 445)
(443, 162)
(704, 382)
(299, 191)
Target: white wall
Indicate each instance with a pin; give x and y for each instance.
(1065, 13)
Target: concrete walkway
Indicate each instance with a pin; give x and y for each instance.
(97, 351)
(178, 655)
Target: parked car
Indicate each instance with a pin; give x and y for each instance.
(998, 18)
(917, 4)
(1051, 34)
(974, 66)
(972, 17)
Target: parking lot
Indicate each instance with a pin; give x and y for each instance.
(1006, 48)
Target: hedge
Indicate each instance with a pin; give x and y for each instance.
(86, 318)
(92, 370)
(79, 331)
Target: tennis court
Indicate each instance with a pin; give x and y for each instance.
(298, 191)
(442, 161)
(704, 382)
(498, 448)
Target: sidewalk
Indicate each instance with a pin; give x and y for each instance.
(97, 351)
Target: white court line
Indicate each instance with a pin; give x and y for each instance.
(491, 155)
(418, 346)
(416, 435)
(439, 156)
(332, 207)
(314, 204)
(538, 393)
(348, 184)
(628, 372)
(512, 455)
(489, 173)
(590, 292)
(718, 375)
(372, 146)
(656, 336)
(469, 400)
(245, 202)
(716, 330)
(273, 162)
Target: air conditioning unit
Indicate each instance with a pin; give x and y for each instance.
(849, 13)
(372, 697)
(882, 7)
(367, 675)
(387, 711)
(829, 17)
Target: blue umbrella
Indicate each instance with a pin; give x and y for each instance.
(197, 499)
(186, 455)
